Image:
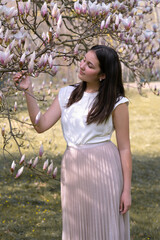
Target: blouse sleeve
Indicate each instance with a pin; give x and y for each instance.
(63, 96)
(122, 100)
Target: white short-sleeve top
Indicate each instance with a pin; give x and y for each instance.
(73, 119)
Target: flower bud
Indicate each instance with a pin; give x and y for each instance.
(45, 165)
(31, 66)
(84, 6)
(28, 6)
(76, 49)
(108, 20)
(77, 7)
(50, 61)
(102, 24)
(22, 159)
(50, 168)
(54, 11)
(30, 163)
(19, 173)
(22, 59)
(41, 150)
(55, 173)
(54, 70)
(35, 162)
(21, 7)
(15, 106)
(59, 23)
(44, 9)
(3, 131)
(13, 165)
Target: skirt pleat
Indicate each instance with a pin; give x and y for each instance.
(91, 187)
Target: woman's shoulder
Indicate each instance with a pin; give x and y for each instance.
(67, 89)
(64, 94)
(121, 100)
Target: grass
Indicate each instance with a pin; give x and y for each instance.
(30, 208)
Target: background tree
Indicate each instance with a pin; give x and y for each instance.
(44, 36)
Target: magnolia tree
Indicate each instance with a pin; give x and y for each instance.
(42, 36)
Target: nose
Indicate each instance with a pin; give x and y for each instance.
(82, 64)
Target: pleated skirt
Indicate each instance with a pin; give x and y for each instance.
(91, 187)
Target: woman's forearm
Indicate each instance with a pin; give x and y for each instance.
(32, 106)
(126, 161)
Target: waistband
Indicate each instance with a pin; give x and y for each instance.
(91, 145)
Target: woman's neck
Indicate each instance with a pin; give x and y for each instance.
(91, 88)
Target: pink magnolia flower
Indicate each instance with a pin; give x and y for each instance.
(45, 59)
(3, 131)
(35, 162)
(108, 20)
(106, 8)
(76, 49)
(44, 9)
(45, 165)
(116, 5)
(31, 66)
(148, 35)
(21, 7)
(44, 36)
(1, 96)
(54, 70)
(59, 23)
(94, 9)
(55, 172)
(77, 7)
(41, 61)
(10, 12)
(84, 6)
(22, 159)
(117, 21)
(50, 168)
(50, 61)
(30, 163)
(28, 6)
(6, 36)
(155, 27)
(13, 165)
(11, 45)
(57, 32)
(102, 24)
(15, 106)
(19, 173)
(127, 23)
(54, 11)
(41, 150)
(22, 59)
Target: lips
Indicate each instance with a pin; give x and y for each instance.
(82, 73)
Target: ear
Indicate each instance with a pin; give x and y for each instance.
(102, 76)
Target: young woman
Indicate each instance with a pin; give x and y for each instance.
(95, 174)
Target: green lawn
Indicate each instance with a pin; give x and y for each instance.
(30, 206)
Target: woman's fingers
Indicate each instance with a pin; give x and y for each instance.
(125, 203)
(20, 81)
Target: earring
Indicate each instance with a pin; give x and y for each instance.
(101, 79)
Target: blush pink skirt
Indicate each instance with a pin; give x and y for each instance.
(91, 187)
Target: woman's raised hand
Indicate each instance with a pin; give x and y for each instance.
(21, 81)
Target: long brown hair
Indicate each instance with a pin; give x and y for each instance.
(111, 88)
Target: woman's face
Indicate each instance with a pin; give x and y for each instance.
(90, 71)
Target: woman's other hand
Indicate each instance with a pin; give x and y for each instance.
(125, 202)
